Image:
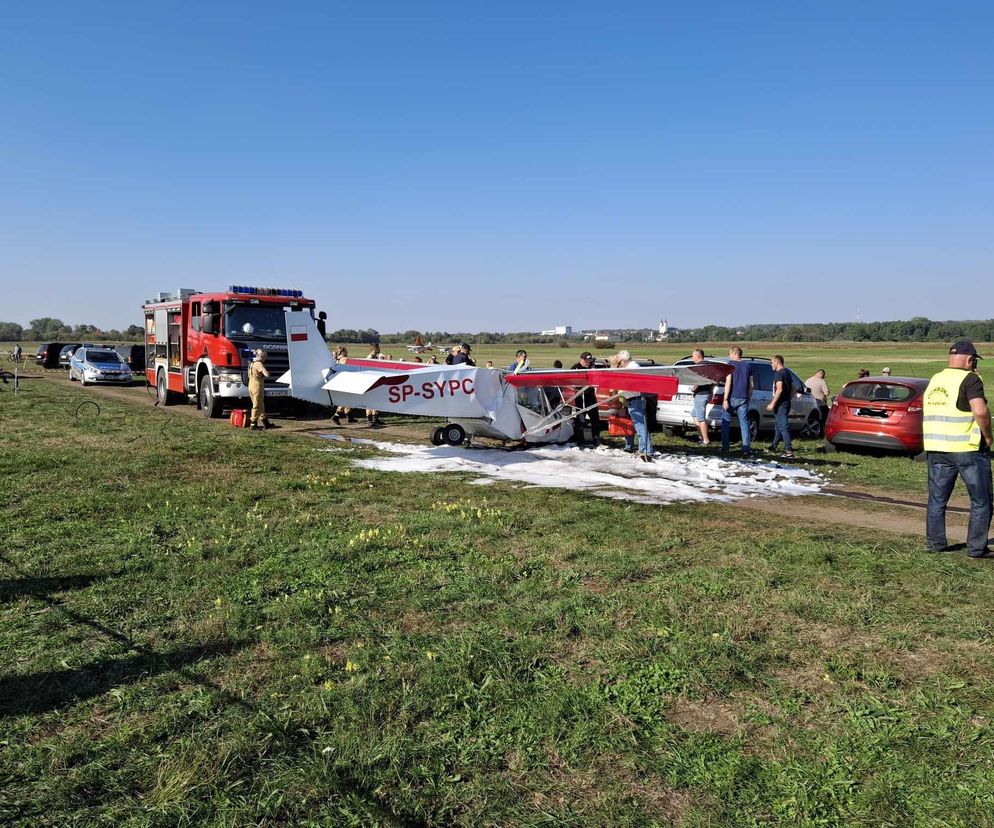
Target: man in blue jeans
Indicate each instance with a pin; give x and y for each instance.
(956, 425)
(738, 390)
(636, 410)
(783, 391)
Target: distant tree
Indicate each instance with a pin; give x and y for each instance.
(11, 332)
(48, 328)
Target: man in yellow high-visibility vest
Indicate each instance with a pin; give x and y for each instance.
(957, 432)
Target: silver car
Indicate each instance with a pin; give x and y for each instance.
(675, 416)
(91, 364)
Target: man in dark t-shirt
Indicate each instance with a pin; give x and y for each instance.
(783, 392)
(587, 399)
(957, 438)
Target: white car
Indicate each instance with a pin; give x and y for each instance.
(675, 416)
(91, 364)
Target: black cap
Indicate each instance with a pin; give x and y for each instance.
(465, 346)
(964, 346)
(586, 355)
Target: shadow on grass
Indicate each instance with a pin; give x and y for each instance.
(39, 692)
(11, 588)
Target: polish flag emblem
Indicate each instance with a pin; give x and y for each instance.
(298, 334)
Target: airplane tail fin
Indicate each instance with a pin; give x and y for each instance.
(311, 362)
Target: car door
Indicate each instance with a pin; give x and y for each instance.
(762, 393)
(75, 368)
(801, 403)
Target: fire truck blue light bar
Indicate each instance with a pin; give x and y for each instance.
(265, 291)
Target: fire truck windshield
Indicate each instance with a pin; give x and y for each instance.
(254, 322)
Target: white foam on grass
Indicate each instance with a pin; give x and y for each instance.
(604, 472)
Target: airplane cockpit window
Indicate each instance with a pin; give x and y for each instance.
(534, 400)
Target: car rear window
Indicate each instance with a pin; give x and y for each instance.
(878, 392)
(103, 356)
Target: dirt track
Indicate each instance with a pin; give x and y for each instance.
(849, 506)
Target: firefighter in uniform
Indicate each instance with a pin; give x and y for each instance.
(257, 376)
(957, 432)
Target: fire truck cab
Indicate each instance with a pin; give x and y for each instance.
(198, 346)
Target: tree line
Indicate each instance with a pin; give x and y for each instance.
(48, 329)
(918, 329)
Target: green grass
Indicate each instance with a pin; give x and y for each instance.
(203, 626)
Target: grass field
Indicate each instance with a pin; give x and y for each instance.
(202, 626)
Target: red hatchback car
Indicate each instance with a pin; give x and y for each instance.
(878, 413)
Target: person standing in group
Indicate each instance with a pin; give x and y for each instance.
(783, 391)
(373, 416)
(462, 356)
(862, 373)
(257, 374)
(451, 355)
(885, 371)
(587, 399)
(819, 390)
(957, 434)
(702, 397)
(635, 402)
(520, 363)
(341, 354)
(738, 391)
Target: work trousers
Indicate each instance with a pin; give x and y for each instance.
(943, 469)
(258, 397)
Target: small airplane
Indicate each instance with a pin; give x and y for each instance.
(419, 347)
(531, 407)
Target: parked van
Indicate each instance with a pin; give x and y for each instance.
(134, 356)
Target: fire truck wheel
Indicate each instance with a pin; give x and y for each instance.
(454, 434)
(209, 404)
(438, 436)
(162, 390)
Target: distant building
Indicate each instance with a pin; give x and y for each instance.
(559, 330)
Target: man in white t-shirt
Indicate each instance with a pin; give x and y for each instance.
(819, 390)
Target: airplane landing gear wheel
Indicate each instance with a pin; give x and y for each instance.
(454, 434)
(438, 436)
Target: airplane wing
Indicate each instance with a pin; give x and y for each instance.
(661, 380)
(618, 379)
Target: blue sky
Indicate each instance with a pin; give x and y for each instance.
(512, 166)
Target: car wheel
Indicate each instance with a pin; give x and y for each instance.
(209, 404)
(668, 431)
(438, 436)
(813, 426)
(82, 378)
(753, 427)
(919, 457)
(830, 448)
(454, 434)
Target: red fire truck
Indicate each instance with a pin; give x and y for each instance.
(199, 345)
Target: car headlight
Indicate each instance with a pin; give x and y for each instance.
(229, 376)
